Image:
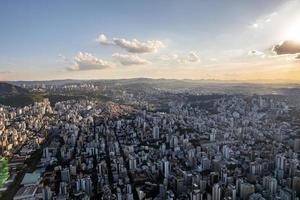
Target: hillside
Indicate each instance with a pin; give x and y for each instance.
(11, 95)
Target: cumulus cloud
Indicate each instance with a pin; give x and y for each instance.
(136, 46)
(86, 61)
(102, 39)
(287, 47)
(125, 59)
(132, 46)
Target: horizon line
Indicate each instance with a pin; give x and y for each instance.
(253, 81)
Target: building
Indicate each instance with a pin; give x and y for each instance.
(26, 193)
(65, 175)
(287, 194)
(297, 145)
(216, 192)
(246, 190)
(270, 184)
(155, 132)
(256, 196)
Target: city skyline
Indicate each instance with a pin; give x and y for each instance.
(150, 100)
(245, 40)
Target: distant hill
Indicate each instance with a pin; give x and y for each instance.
(7, 89)
(11, 95)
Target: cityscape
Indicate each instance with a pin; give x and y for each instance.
(146, 140)
(150, 100)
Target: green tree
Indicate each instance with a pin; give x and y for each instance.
(3, 171)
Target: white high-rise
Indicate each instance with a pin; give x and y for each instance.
(155, 132)
(216, 192)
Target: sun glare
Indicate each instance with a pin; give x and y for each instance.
(293, 31)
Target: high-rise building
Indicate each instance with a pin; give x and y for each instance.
(47, 193)
(226, 151)
(216, 192)
(46, 153)
(196, 195)
(297, 145)
(252, 168)
(166, 168)
(287, 194)
(232, 190)
(180, 187)
(63, 188)
(65, 175)
(256, 196)
(280, 162)
(132, 163)
(296, 185)
(270, 184)
(212, 135)
(246, 190)
(155, 132)
(88, 185)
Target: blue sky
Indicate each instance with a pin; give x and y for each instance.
(43, 39)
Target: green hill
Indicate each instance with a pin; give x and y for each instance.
(11, 95)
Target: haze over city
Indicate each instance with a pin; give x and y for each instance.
(223, 40)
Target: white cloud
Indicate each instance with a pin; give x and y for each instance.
(136, 46)
(102, 39)
(193, 57)
(257, 53)
(132, 46)
(263, 21)
(125, 59)
(169, 57)
(86, 61)
(64, 59)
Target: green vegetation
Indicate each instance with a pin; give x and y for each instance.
(37, 96)
(11, 95)
(16, 100)
(4, 174)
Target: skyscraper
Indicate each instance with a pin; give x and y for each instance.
(216, 192)
(155, 132)
(246, 190)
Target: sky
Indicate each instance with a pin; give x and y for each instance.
(257, 40)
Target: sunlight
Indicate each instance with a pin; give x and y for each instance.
(293, 31)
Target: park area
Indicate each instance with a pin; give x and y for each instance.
(3, 171)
